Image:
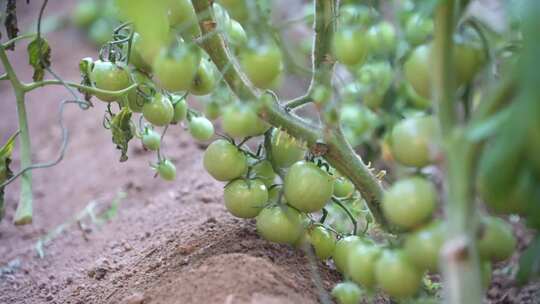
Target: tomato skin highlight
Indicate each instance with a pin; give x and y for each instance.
(396, 276)
(307, 187)
(280, 224)
(201, 128)
(109, 76)
(414, 141)
(245, 198)
(223, 161)
(409, 202)
(159, 111)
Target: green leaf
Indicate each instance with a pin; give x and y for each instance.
(39, 57)
(529, 263)
(121, 131)
(5, 171)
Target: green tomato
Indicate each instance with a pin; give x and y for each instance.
(307, 187)
(85, 13)
(151, 140)
(342, 250)
(236, 34)
(182, 16)
(361, 264)
(224, 161)
(175, 69)
(497, 242)
(349, 46)
(417, 70)
(262, 65)
(263, 170)
(241, 120)
(205, 79)
(100, 32)
(468, 60)
(245, 198)
(159, 111)
(280, 224)
(135, 56)
(409, 202)
(135, 97)
(322, 240)
(343, 187)
(180, 108)
(347, 293)
(375, 79)
(166, 170)
(423, 246)
(201, 128)
(416, 100)
(396, 276)
(355, 14)
(382, 38)
(285, 149)
(414, 141)
(109, 76)
(212, 109)
(418, 29)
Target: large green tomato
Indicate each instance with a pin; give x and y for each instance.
(347, 293)
(497, 241)
(176, 68)
(414, 141)
(423, 246)
(262, 65)
(263, 170)
(285, 149)
(342, 250)
(205, 79)
(159, 111)
(349, 46)
(245, 198)
(135, 97)
(109, 76)
(409, 202)
(307, 187)
(361, 264)
(280, 224)
(201, 128)
(396, 275)
(224, 161)
(241, 120)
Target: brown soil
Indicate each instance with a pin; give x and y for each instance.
(168, 242)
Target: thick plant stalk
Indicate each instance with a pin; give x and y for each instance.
(460, 263)
(338, 152)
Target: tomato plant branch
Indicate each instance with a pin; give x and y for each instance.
(10, 42)
(460, 265)
(23, 215)
(92, 90)
(340, 154)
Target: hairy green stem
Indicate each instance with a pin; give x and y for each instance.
(339, 154)
(23, 215)
(92, 90)
(460, 263)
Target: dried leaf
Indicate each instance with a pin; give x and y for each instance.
(121, 131)
(39, 57)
